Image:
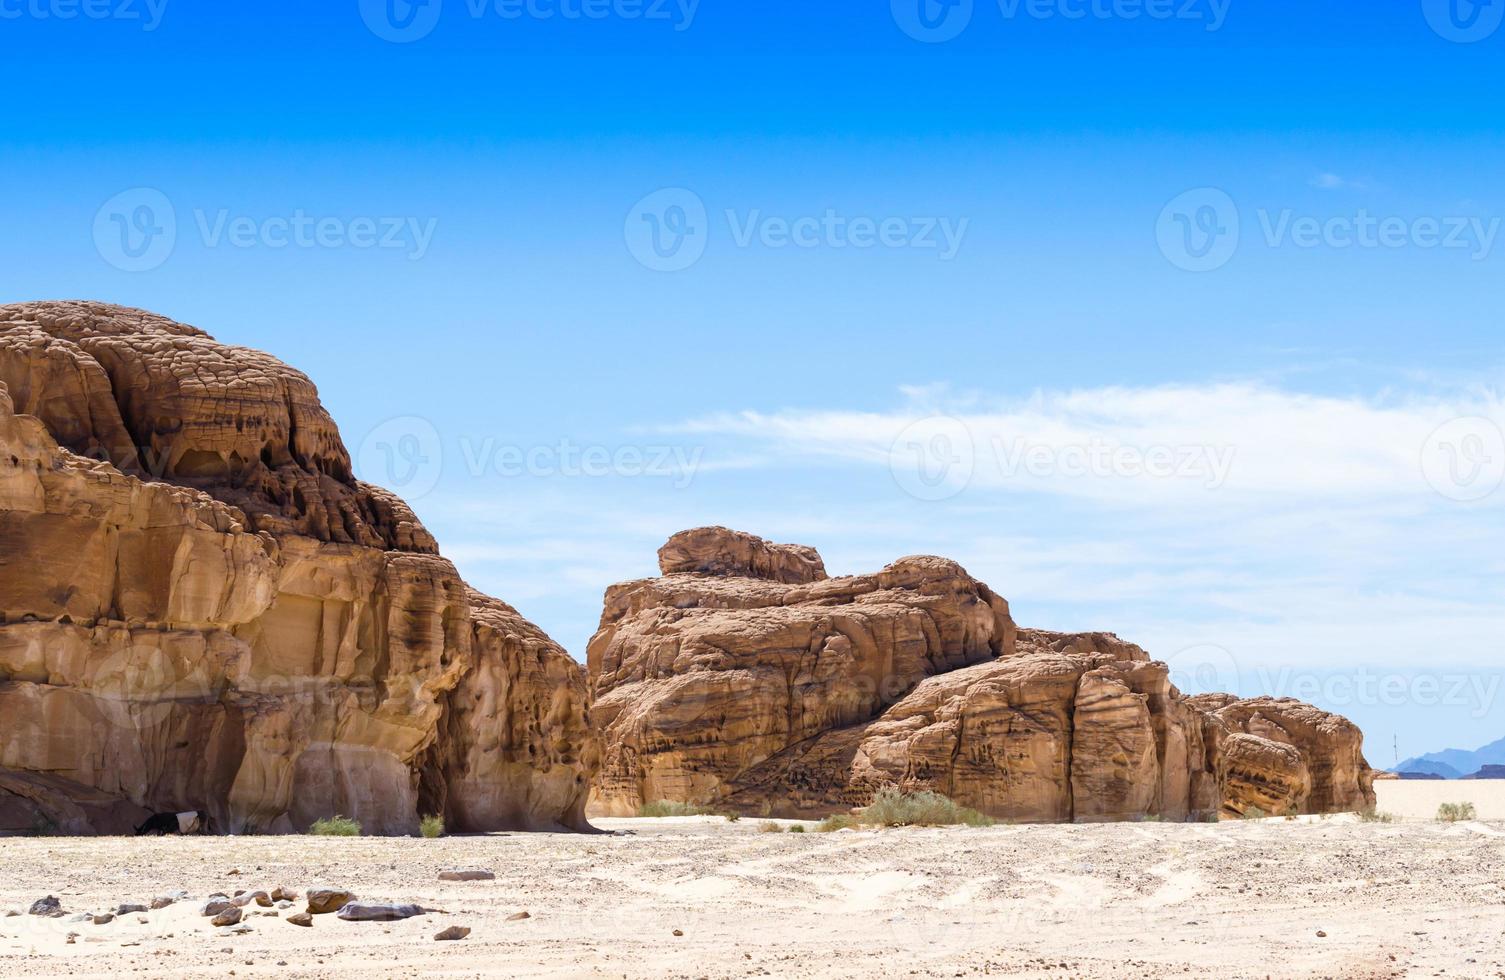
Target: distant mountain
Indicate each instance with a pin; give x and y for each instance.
(1423, 767)
(1489, 772)
(1453, 763)
(1418, 775)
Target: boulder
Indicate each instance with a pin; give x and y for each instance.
(370, 912)
(322, 901)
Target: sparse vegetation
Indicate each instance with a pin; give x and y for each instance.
(1375, 815)
(837, 821)
(671, 808)
(432, 826)
(769, 827)
(1253, 813)
(335, 826)
(892, 807)
(1454, 812)
(798, 828)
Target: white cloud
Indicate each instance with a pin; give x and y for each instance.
(1214, 445)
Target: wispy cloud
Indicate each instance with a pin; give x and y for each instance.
(1335, 182)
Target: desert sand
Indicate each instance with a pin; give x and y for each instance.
(1329, 897)
(1419, 799)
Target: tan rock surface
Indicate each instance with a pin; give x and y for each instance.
(723, 687)
(201, 609)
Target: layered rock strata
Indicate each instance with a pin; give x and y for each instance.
(202, 609)
(745, 680)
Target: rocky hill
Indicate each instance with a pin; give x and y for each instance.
(746, 678)
(202, 609)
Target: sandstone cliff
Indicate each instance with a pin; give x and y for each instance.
(746, 678)
(202, 609)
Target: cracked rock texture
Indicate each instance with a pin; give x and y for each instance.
(202, 609)
(747, 679)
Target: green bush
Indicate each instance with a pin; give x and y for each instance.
(1253, 813)
(892, 807)
(798, 828)
(432, 826)
(336, 826)
(1454, 812)
(1374, 815)
(769, 827)
(837, 821)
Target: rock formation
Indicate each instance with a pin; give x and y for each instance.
(745, 678)
(202, 609)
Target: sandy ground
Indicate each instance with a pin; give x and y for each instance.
(1244, 899)
(1419, 799)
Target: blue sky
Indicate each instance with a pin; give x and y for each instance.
(1261, 238)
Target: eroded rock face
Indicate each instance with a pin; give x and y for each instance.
(724, 685)
(201, 609)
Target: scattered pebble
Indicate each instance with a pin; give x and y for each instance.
(518, 916)
(104, 919)
(301, 919)
(48, 907)
(467, 874)
(451, 934)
